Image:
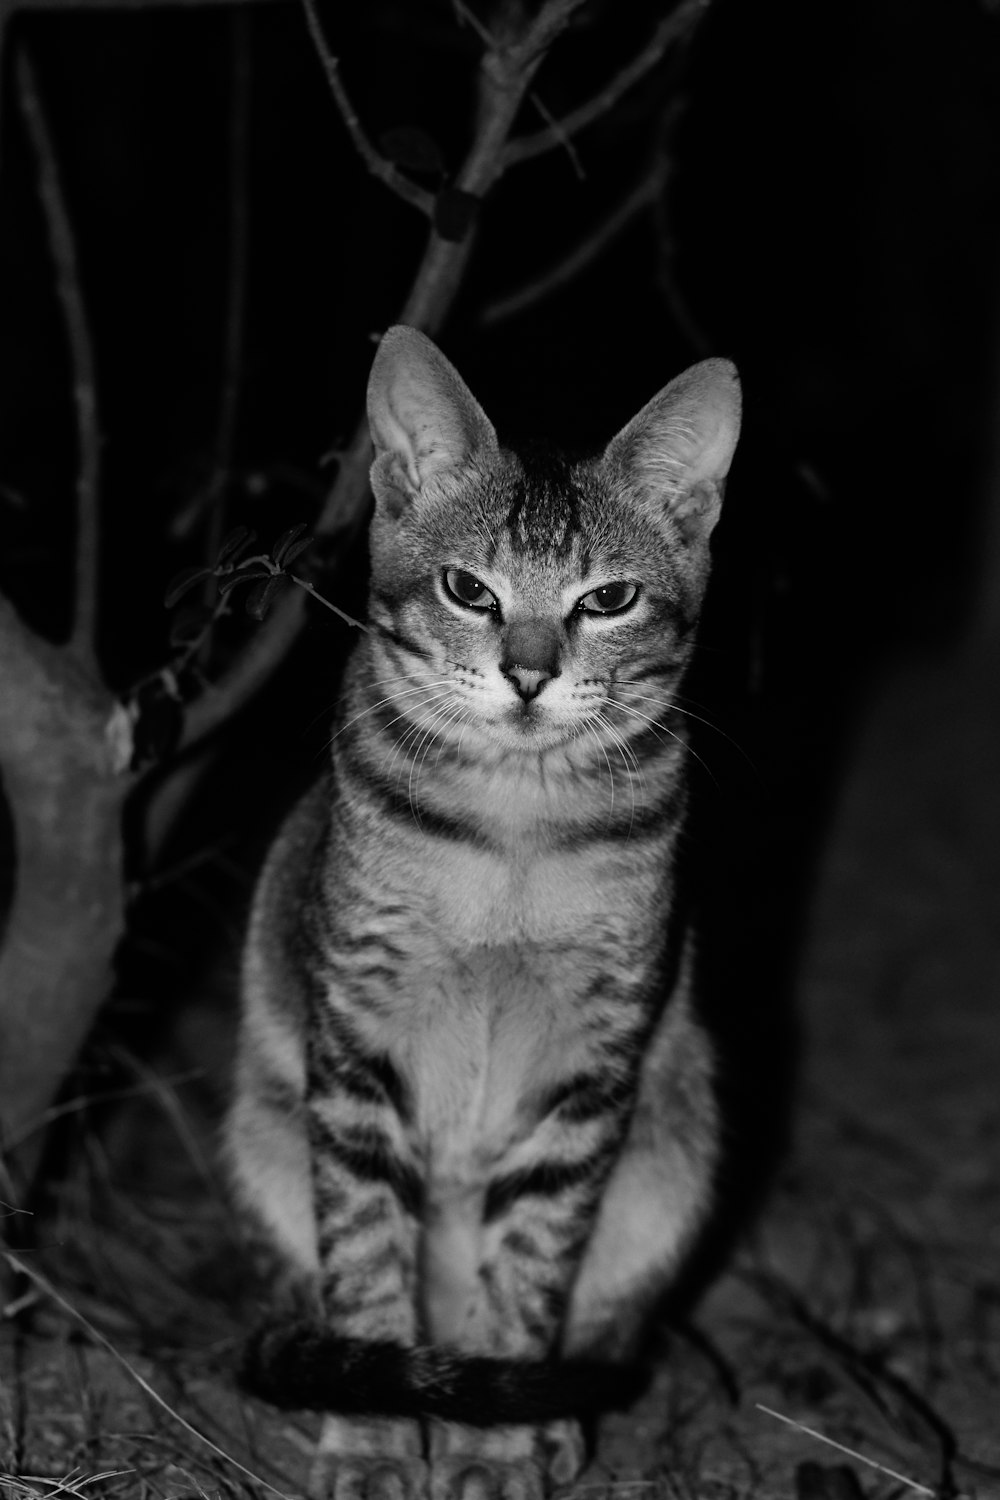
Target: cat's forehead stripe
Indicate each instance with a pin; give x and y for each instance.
(543, 510)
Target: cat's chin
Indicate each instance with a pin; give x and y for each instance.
(529, 733)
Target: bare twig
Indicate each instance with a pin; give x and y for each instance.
(379, 165)
(583, 254)
(507, 69)
(559, 135)
(207, 500)
(68, 289)
(677, 26)
(490, 43)
(921, 1489)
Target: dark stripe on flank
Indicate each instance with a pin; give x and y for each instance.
(546, 1180)
(339, 1060)
(586, 1096)
(368, 1157)
(516, 1242)
(391, 1082)
(362, 1082)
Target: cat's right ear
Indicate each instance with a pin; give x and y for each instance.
(425, 422)
(676, 453)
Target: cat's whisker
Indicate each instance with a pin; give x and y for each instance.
(403, 677)
(432, 698)
(657, 724)
(600, 745)
(460, 712)
(675, 706)
(421, 687)
(632, 763)
(633, 770)
(420, 754)
(421, 742)
(469, 717)
(402, 744)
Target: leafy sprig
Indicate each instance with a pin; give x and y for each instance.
(235, 565)
(154, 706)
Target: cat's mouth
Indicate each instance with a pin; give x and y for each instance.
(529, 726)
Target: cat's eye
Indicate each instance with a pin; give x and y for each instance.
(468, 589)
(609, 599)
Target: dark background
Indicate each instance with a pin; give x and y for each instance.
(831, 222)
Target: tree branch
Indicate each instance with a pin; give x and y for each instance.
(64, 788)
(506, 71)
(68, 289)
(677, 26)
(379, 165)
(643, 195)
(207, 499)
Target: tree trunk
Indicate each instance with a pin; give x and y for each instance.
(67, 914)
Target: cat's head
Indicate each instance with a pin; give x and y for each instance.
(543, 593)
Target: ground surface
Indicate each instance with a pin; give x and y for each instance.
(864, 1305)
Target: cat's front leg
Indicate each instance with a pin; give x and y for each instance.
(506, 1297)
(366, 1194)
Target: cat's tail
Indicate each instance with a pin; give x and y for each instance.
(300, 1367)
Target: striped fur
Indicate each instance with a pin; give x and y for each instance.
(473, 1113)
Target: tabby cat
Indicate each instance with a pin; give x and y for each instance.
(473, 1115)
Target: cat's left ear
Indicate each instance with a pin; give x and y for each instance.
(676, 452)
(425, 422)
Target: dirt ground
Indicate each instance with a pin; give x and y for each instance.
(861, 1309)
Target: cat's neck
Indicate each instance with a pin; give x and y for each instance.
(521, 804)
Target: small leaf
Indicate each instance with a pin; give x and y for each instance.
(259, 598)
(237, 541)
(244, 575)
(286, 539)
(182, 582)
(410, 147)
(296, 550)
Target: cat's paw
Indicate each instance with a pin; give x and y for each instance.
(564, 1450)
(368, 1458)
(336, 1477)
(503, 1463)
(487, 1479)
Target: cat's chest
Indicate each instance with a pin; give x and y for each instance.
(496, 968)
(471, 898)
(480, 1040)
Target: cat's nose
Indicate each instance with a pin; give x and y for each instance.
(530, 655)
(529, 681)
